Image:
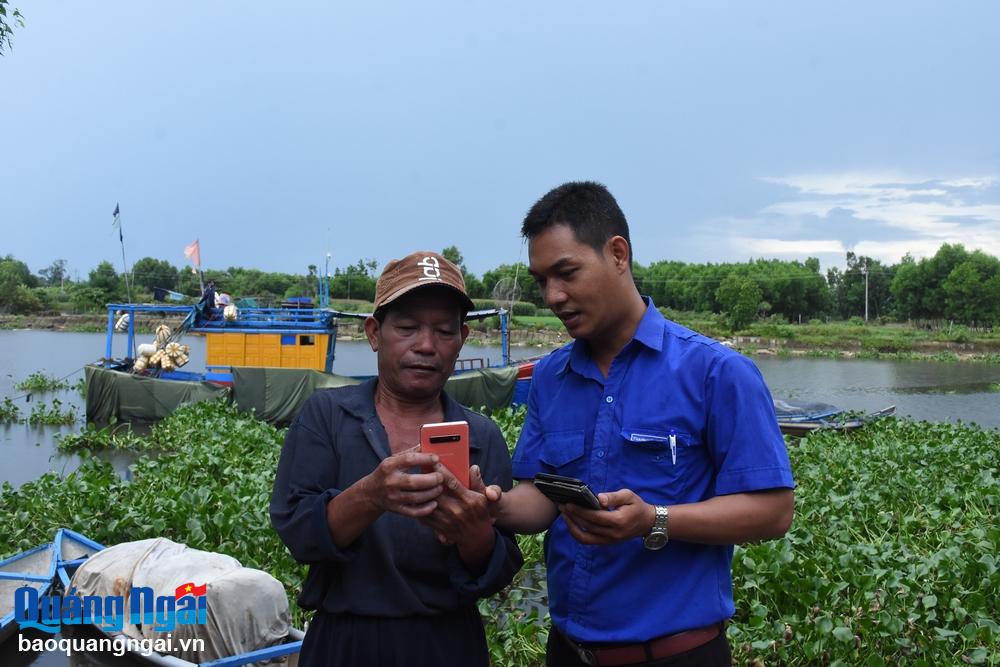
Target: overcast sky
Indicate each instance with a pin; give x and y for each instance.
(278, 132)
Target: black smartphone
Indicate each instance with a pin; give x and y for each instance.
(560, 489)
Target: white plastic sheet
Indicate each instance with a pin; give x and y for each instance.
(247, 608)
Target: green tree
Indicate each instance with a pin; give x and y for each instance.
(10, 281)
(7, 18)
(107, 281)
(16, 287)
(527, 287)
(149, 273)
(966, 300)
(991, 295)
(918, 287)
(473, 285)
(24, 274)
(356, 281)
(739, 297)
(54, 273)
(25, 301)
(187, 283)
(452, 254)
(848, 287)
(86, 298)
(936, 270)
(907, 287)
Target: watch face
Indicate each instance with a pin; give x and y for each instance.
(655, 541)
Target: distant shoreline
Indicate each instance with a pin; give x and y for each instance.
(346, 330)
(545, 339)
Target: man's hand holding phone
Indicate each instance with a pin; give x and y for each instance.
(623, 516)
(562, 490)
(605, 518)
(393, 488)
(462, 517)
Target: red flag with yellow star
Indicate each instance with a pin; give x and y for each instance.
(190, 589)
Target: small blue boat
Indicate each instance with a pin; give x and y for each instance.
(35, 568)
(49, 569)
(798, 418)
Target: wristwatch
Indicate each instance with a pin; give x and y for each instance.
(657, 538)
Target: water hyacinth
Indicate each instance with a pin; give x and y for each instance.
(891, 557)
(9, 412)
(40, 382)
(51, 414)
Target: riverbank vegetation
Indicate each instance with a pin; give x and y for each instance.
(953, 287)
(892, 556)
(945, 307)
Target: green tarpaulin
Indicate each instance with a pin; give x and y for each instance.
(489, 387)
(276, 394)
(273, 394)
(128, 397)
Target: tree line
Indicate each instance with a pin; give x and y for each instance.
(955, 284)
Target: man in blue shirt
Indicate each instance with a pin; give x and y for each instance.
(673, 431)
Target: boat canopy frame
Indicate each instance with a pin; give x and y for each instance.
(265, 320)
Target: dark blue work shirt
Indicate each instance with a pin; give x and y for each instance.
(679, 419)
(396, 567)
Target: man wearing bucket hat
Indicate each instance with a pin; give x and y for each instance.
(397, 555)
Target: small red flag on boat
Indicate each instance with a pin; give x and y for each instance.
(190, 589)
(193, 252)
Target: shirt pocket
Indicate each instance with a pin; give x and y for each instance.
(563, 451)
(673, 458)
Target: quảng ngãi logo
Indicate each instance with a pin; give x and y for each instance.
(187, 606)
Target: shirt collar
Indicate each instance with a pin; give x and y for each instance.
(649, 333)
(651, 327)
(360, 402)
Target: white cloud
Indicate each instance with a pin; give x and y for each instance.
(975, 183)
(807, 248)
(893, 251)
(930, 211)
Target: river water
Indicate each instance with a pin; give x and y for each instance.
(28, 451)
(928, 390)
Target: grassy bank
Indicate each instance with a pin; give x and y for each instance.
(892, 556)
(849, 339)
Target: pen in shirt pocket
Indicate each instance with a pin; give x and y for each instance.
(673, 448)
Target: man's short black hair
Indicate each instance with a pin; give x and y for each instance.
(586, 207)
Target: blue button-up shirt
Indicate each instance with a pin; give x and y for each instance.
(679, 419)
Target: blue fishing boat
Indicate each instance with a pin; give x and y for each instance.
(266, 359)
(798, 418)
(293, 335)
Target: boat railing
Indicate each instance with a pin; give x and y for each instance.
(260, 320)
(264, 318)
(470, 364)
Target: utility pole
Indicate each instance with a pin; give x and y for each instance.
(326, 283)
(865, 271)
